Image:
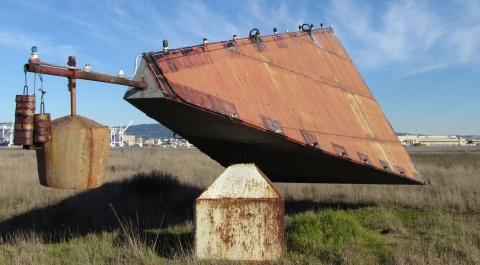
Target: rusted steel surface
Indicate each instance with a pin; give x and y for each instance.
(42, 131)
(76, 157)
(24, 119)
(39, 67)
(72, 86)
(294, 104)
(240, 217)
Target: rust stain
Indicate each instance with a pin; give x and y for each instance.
(240, 220)
(75, 157)
(302, 84)
(91, 153)
(205, 100)
(364, 158)
(42, 128)
(24, 120)
(240, 229)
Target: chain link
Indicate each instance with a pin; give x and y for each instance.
(42, 103)
(25, 87)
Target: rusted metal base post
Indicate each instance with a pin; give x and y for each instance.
(240, 218)
(72, 86)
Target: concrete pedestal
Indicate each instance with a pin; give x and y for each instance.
(240, 217)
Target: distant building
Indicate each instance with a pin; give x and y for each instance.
(149, 142)
(129, 139)
(432, 140)
(475, 140)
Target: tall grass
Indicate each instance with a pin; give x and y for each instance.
(453, 186)
(143, 214)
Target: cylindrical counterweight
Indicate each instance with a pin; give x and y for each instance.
(42, 131)
(24, 112)
(76, 157)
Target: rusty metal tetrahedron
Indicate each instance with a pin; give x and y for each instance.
(294, 104)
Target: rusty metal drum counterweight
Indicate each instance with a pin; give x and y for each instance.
(24, 120)
(72, 151)
(42, 131)
(77, 155)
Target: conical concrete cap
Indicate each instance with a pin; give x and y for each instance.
(241, 181)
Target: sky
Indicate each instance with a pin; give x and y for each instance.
(420, 59)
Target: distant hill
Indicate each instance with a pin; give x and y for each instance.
(146, 131)
(149, 131)
(461, 136)
(157, 130)
(403, 134)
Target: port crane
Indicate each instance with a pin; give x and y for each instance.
(116, 135)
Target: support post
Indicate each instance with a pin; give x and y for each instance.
(240, 218)
(72, 86)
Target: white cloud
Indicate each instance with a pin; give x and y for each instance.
(199, 21)
(395, 34)
(464, 32)
(282, 14)
(409, 35)
(271, 13)
(408, 27)
(14, 39)
(23, 41)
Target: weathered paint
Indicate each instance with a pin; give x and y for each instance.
(76, 157)
(240, 217)
(37, 66)
(24, 122)
(42, 131)
(293, 104)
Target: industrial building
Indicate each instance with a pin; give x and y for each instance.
(475, 140)
(436, 140)
(6, 135)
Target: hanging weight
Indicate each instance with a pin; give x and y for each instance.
(42, 132)
(77, 155)
(24, 120)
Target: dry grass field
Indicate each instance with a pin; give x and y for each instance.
(143, 214)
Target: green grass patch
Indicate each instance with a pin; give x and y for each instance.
(334, 237)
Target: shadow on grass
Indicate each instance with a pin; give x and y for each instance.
(173, 245)
(143, 203)
(146, 201)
